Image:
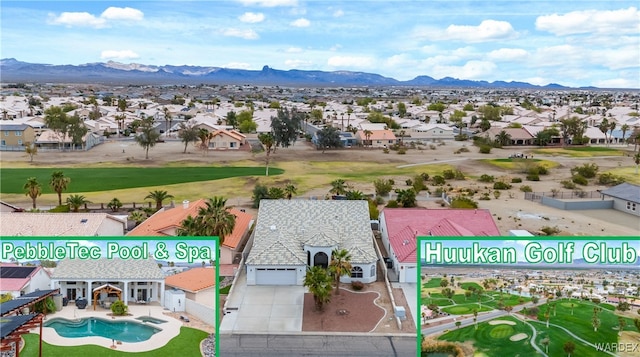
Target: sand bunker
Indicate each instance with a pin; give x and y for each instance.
(518, 337)
(501, 322)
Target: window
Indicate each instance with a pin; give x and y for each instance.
(6, 133)
(19, 142)
(373, 271)
(4, 143)
(232, 144)
(17, 133)
(631, 206)
(356, 272)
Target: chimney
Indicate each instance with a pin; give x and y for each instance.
(185, 204)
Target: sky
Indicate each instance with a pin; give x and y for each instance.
(569, 42)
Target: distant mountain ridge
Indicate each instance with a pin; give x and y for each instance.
(12, 70)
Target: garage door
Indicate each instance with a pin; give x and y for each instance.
(411, 275)
(275, 276)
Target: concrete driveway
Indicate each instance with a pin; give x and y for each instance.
(263, 308)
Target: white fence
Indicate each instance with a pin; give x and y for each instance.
(205, 313)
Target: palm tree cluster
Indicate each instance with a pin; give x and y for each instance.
(212, 220)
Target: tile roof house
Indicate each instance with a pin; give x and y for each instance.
(227, 140)
(20, 280)
(377, 138)
(291, 235)
(519, 136)
(60, 224)
(199, 284)
(166, 221)
(400, 227)
(626, 198)
(140, 280)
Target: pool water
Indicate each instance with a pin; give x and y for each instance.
(153, 320)
(125, 331)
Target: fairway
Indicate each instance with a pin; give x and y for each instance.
(117, 178)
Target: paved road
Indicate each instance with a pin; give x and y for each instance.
(314, 345)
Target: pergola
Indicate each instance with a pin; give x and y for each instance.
(108, 288)
(13, 327)
(16, 305)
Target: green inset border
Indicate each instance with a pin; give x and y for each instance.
(56, 350)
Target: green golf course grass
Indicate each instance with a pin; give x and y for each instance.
(465, 309)
(187, 343)
(117, 178)
(432, 283)
(469, 284)
(586, 151)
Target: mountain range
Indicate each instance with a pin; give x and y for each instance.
(13, 71)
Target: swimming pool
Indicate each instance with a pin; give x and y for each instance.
(153, 320)
(125, 331)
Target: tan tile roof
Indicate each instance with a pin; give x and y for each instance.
(53, 224)
(105, 269)
(193, 280)
(378, 135)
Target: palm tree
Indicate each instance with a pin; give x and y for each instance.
(114, 204)
(340, 265)
(158, 196)
(545, 342)
(76, 201)
(59, 183)
(167, 119)
(319, 284)
(604, 127)
(214, 219)
(612, 127)
(624, 128)
(367, 136)
(205, 137)
(290, 190)
(138, 216)
(569, 347)
(503, 138)
(338, 187)
(355, 195)
(33, 189)
(636, 160)
(268, 140)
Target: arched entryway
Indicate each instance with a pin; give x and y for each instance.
(321, 259)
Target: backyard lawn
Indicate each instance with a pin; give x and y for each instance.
(187, 343)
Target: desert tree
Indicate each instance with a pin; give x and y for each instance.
(148, 136)
(188, 133)
(329, 137)
(31, 150)
(569, 347)
(269, 142)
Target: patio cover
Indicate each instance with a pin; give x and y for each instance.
(108, 288)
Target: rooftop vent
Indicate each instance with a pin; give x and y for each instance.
(185, 204)
(273, 228)
(84, 220)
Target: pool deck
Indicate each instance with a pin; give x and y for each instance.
(170, 329)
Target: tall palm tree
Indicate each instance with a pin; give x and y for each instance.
(624, 128)
(636, 160)
(367, 136)
(167, 120)
(158, 196)
(59, 183)
(33, 189)
(214, 219)
(76, 201)
(503, 138)
(340, 265)
(612, 127)
(319, 284)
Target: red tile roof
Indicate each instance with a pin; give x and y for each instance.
(403, 225)
(193, 280)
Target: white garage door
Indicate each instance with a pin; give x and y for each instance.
(411, 275)
(275, 276)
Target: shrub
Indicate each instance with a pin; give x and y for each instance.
(588, 170)
(402, 150)
(580, 180)
(526, 188)
(485, 149)
(516, 180)
(568, 184)
(501, 186)
(461, 137)
(486, 178)
(550, 230)
(61, 209)
(463, 202)
(424, 176)
(610, 179)
(392, 204)
(533, 177)
(119, 308)
(382, 186)
(418, 184)
(357, 285)
(385, 150)
(496, 194)
(448, 174)
(438, 180)
(374, 213)
(409, 182)
(485, 197)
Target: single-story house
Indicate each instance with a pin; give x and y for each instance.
(377, 138)
(426, 132)
(52, 140)
(19, 280)
(519, 136)
(227, 140)
(199, 284)
(57, 224)
(626, 197)
(400, 227)
(166, 221)
(131, 280)
(292, 235)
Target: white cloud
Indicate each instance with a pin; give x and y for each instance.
(554, 56)
(245, 34)
(625, 57)
(338, 13)
(335, 47)
(508, 54)
(269, 3)
(621, 21)
(252, 17)
(77, 19)
(488, 30)
(118, 55)
(294, 50)
(350, 61)
(470, 70)
(122, 13)
(85, 19)
(237, 65)
(294, 63)
(301, 22)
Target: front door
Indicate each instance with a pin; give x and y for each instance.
(71, 294)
